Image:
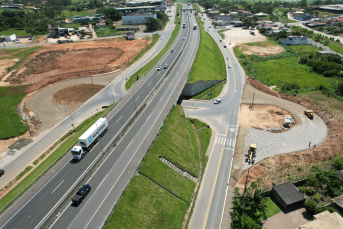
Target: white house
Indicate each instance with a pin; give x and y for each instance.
(137, 18)
(294, 40)
(12, 37)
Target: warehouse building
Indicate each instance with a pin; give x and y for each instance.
(138, 18)
(287, 194)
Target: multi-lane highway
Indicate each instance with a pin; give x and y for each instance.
(209, 207)
(112, 93)
(115, 172)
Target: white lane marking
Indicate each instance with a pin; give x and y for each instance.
(120, 118)
(161, 98)
(57, 187)
(227, 142)
(230, 142)
(60, 214)
(137, 99)
(102, 181)
(129, 143)
(149, 84)
(233, 142)
(148, 117)
(222, 134)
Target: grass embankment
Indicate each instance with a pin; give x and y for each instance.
(20, 53)
(11, 124)
(81, 13)
(196, 7)
(283, 69)
(145, 204)
(272, 208)
(335, 47)
(209, 63)
(68, 139)
(106, 32)
(132, 80)
(17, 32)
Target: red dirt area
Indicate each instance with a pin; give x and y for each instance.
(73, 60)
(76, 93)
(263, 116)
(331, 146)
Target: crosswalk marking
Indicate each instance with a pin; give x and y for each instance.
(225, 141)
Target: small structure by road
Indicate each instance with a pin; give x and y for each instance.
(287, 194)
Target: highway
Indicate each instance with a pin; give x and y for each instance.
(113, 175)
(112, 93)
(223, 118)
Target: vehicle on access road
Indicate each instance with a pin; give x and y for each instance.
(159, 68)
(217, 101)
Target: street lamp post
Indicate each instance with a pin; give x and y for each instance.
(134, 97)
(92, 83)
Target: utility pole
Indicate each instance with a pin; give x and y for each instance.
(28, 126)
(92, 83)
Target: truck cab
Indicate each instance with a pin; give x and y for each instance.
(78, 153)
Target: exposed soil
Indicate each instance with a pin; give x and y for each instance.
(74, 60)
(76, 93)
(240, 36)
(262, 50)
(262, 117)
(6, 63)
(333, 144)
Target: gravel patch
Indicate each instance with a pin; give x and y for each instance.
(297, 139)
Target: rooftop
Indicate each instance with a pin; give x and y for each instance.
(288, 193)
(324, 220)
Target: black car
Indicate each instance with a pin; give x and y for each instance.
(81, 194)
(2, 172)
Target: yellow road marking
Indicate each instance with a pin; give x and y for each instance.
(214, 185)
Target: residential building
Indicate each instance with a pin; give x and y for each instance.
(324, 220)
(162, 7)
(142, 2)
(12, 37)
(233, 14)
(56, 31)
(336, 9)
(294, 40)
(138, 18)
(220, 22)
(261, 15)
(101, 25)
(298, 15)
(213, 13)
(287, 194)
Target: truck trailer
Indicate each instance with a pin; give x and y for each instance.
(195, 26)
(89, 138)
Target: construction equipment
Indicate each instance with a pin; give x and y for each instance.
(287, 122)
(251, 153)
(309, 114)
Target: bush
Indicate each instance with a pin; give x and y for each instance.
(316, 197)
(311, 207)
(338, 163)
(301, 190)
(308, 191)
(290, 86)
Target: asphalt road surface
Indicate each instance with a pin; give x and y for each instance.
(223, 117)
(112, 93)
(113, 175)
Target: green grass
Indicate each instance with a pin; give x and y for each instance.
(209, 63)
(146, 205)
(70, 139)
(214, 90)
(284, 68)
(176, 142)
(272, 208)
(25, 10)
(21, 32)
(70, 25)
(21, 53)
(106, 32)
(133, 79)
(335, 48)
(11, 124)
(81, 13)
(278, 72)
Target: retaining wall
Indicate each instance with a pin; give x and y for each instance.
(192, 89)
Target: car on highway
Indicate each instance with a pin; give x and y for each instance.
(172, 50)
(81, 194)
(2, 172)
(209, 27)
(220, 40)
(159, 68)
(183, 38)
(208, 30)
(229, 66)
(224, 46)
(217, 101)
(165, 66)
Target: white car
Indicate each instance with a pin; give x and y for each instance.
(208, 30)
(183, 38)
(159, 68)
(220, 40)
(217, 101)
(229, 66)
(166, 66)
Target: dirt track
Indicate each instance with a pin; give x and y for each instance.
(331, 146)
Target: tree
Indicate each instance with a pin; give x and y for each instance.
(283, 34)
(152, 24)
(113, 14)
(339, 89)
(82, 33)
(311, 207)
(208, 5)
(336, 31)
(303, 3)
